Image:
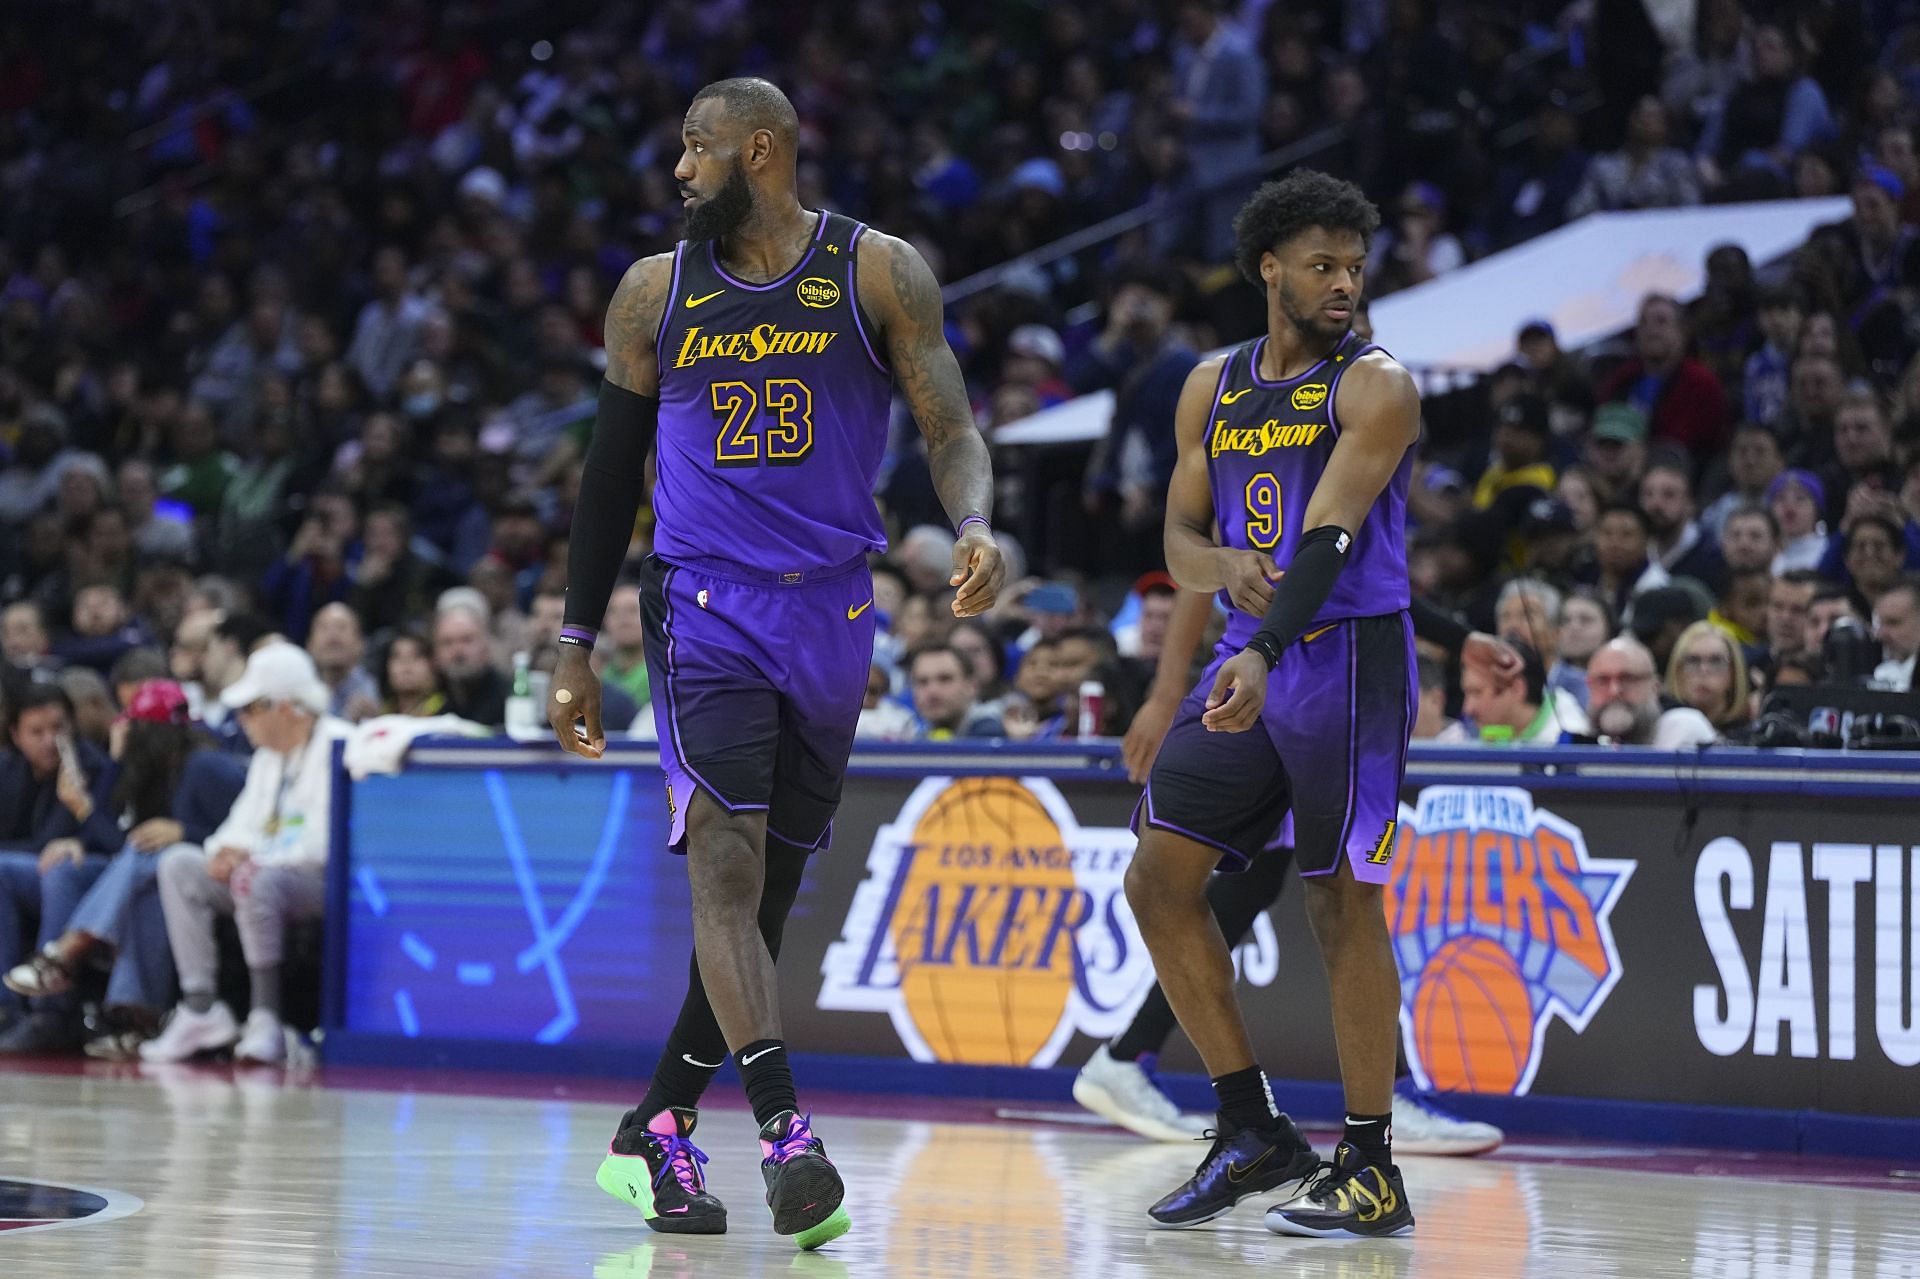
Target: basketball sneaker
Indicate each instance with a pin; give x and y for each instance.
(804, 1190)
(1422, 1128)
(1347, 1198)
(1126, 1093)
(1242, 1162)
(654, 1166)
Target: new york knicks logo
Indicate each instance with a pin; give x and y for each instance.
(1309, 397)
(1500, 922)
(816, 292)
(991, 926)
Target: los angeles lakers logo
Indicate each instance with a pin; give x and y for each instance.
(991, 926)
(1500, 922)
(1309, 397)
(816, 292)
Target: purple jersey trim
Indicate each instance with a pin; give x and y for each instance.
(666, 313)
(1353, 736)
(853, 286)
(1260, 344)
(1333, 386)
(1145, 807)
(666, 695)
(713, 256)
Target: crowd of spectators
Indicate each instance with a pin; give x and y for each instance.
(300, 313)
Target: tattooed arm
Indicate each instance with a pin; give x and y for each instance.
(633, 321)
(898, 290)
(611, 485)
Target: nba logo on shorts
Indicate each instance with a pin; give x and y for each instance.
(701, 598)
(991, 926)
(1500, 922)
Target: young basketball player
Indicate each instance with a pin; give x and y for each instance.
(1118, 1082)
(1297, 448)
(762, 352)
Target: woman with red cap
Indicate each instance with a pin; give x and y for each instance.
(175, 786)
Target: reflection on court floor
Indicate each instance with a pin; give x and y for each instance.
(256, 1177)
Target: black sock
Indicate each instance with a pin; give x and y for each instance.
(768, 1075)
(1147, 1033)
(1245, 1099)
(1372, 1136)
(680, 1080)
(198, 1001)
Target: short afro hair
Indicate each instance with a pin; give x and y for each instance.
(1280, 210)
(756, 104)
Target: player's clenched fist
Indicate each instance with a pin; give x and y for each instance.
(978, 570)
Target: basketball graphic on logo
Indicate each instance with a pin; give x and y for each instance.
(1473, 1018)
(984, 934)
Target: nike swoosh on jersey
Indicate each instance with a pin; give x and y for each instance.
(1231, 396)
(855, 612)
(748, 1061)
(698, 301)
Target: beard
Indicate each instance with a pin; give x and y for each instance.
(722, 213)
(1626, 722)
(1314, 327)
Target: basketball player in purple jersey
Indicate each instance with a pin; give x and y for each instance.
(1289, 498)
(758, 359)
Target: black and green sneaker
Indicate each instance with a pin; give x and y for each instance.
(804, 1190)
(653, 1165)
(1348, 1198)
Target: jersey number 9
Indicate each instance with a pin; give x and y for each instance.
(1264, 524)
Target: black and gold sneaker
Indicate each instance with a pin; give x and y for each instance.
(1348, 1198)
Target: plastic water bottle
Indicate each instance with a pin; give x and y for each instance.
(522, 725)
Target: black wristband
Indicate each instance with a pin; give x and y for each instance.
(610, 491)
(1316, 562)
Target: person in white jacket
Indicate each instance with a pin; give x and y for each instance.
(265, 865)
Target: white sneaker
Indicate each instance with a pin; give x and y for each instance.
(263, 1041)
(189, 1033)
(1420, 1128)
(1122, 1091)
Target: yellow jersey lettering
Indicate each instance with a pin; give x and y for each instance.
(750, 347)
(1271, 434)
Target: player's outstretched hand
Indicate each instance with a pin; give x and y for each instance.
(1250, 577)
(978, 571)
(1239, 691)
(1492, 657)
(573, 699)
(1144, 735)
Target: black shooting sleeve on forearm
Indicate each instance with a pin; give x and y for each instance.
(1437, 626)
(1316, 562)
(611, 485)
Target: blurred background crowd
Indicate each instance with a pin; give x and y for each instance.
(300, 313)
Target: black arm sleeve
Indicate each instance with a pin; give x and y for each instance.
(1437, 626)
(1316, 562)
(610, 490)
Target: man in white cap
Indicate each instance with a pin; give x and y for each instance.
(265, 865)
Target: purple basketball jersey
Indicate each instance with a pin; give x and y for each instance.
(1266, 450)
(773, 412)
